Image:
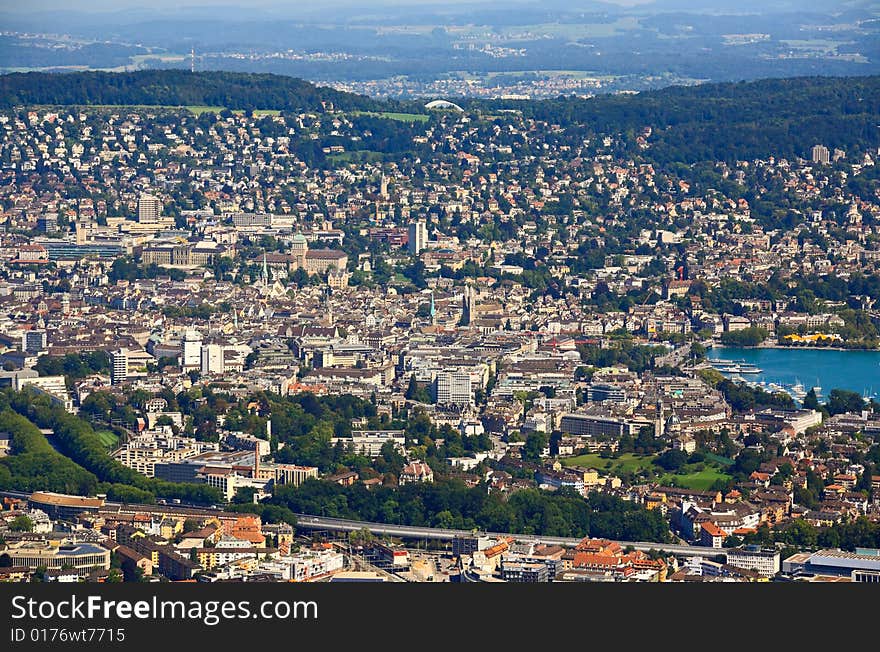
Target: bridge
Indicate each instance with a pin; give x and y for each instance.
(326, 523)
(312, 522)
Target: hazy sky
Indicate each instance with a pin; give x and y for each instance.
(311, 5)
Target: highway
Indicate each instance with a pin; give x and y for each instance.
(312, 522)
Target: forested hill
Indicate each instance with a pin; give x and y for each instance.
(709, 122)
(176, 88)
(729, 121)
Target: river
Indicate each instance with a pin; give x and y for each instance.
(858, 371)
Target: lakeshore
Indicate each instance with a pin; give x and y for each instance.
(790, 347)
(826, 368)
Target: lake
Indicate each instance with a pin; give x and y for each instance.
(858, 371)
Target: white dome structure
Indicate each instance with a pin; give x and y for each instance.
(444, 104)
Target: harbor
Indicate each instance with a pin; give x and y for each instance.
(797, 371)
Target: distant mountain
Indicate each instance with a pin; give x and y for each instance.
(176, 88)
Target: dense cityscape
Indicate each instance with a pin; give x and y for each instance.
(464, 342)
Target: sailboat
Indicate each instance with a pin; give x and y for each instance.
(797, 390)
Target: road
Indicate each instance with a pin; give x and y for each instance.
(312, 522)
(674, 357)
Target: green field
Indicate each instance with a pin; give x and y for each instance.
(698, 480)
(108, 438)
(626, 462)
(199, 110)
(391, 115)
(356, 156)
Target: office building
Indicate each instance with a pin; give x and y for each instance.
(589, 425)
(149, 208)
(47, 223)
(524, 572)
(763, 560)
(192, 350)
(293, 474)
(370, 442)
(33, 341)
(118, 366)
(606, 392)
(453, 388)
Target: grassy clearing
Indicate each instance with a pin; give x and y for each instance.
(199, 110)
(391, 115)
(626, 462)
(355, 156)
(698, 480)
(629, 463)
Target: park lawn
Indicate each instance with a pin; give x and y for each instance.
(626, 462)
(697, 480)
(356, 156)
(108, 438)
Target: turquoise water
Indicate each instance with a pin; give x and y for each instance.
(858, 371)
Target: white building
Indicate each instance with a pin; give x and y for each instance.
(118, 366)
(192, 349)
(54, 386)
(453, 388)
(418, 237)
(369, 442)
(763, 560)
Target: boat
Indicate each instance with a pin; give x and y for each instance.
(731, 367)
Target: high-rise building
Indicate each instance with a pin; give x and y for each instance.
(418, 237)
(118, 366)
(820, 154)
(192, 350)
(453, 388)
(149, 208)
(47, 223)
(469, 305)
(212, 359)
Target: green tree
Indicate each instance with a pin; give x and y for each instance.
(535, 444)
(841, 401)
(21, 523)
